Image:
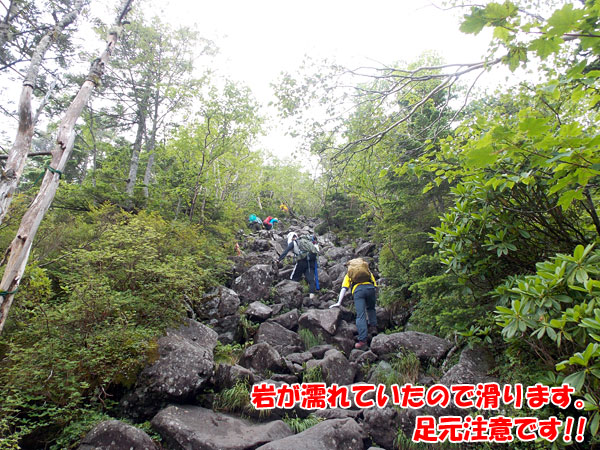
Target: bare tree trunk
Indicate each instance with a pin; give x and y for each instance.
(151, 144)
(9, 179)
(18, 252)
(137, 148)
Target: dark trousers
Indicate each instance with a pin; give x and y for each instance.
(305, 268)
(365, 297)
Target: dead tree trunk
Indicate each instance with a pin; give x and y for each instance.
(9, 179)
(18, 252)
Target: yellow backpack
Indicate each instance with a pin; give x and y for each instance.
(358, 271)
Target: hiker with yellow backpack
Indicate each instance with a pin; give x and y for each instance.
(361, 280)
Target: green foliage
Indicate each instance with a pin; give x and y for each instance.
(309, 339)
(298, 425)
(313, 374)
(404, 369)
(86, 323)
(556, 311)
(342, 216)
(234, 399)
(227, 353)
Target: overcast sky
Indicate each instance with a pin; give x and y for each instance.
(260, 38)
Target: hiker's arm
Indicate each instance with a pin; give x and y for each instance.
(345, 287)
(286, 251)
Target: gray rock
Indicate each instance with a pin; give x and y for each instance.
(219, 303)
(255, 283)
(336, 271)
(319, 321)
(382, 424)
(193, 427)
(300, 358)
(262, 358)
(318, 351)
(337, 369)
(472, 368)
(365, 249)
(330, 434)
(425, 346)
(287, 320)
(116, 435)
(226, 376)
(288, 293)
(282, 339)
(184, 366)
(258, 311)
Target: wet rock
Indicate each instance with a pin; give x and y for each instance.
(280, 338)
(425, 346)
(183, 368)
(258, 312)
(193, 427)
(116, 435)
(262, 358)
(330, 434)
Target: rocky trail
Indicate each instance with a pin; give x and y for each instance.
(191, 393)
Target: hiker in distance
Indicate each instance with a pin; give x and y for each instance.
(254, 222)
(305, 254)
(270, 222)
(363, 284)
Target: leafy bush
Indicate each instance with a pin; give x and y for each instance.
(84, 325)
(556, 312)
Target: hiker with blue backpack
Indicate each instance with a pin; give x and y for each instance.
(305, 255)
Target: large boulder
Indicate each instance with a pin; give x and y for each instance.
(258, 312)
(116, 435)
(381, 424)
(425, 346)
(184, 366)
(320, 321)
(193, 427)
(261, 358)
(325, 281)
(219, 310)
(288, 319)
(255, 283)
(330, 434)
(227, 375)
(472, 368)
(335, 368)
(337, 271)
(341, 255)
(288, 293)
(280, 338)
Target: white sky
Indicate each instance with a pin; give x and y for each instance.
(259, 39)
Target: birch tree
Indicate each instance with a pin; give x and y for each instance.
(18, 252)
(13, 169)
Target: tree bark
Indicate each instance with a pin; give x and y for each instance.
(18, 252)
(152, 144)
(9, 179)
(137, 148)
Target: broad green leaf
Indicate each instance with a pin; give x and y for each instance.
(576, 380)
(545, 46)
(567, 198)
(474, 22)
(564, 20)
(480, 157)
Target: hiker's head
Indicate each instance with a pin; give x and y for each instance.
(291, 237)
(275, 220)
